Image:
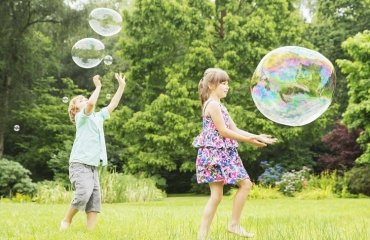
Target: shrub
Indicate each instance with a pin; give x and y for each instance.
(342, 148)
(271, 175)
(325, 181)
(52, 192)
(359, 179)
(14, 178)
(315, 194)
(261, 192)
(293, 181)
(116, 187)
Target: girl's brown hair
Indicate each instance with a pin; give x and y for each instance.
(212, 77)
(73, 109)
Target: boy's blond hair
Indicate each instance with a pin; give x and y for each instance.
(73, 109)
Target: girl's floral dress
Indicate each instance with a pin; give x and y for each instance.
(218, 159)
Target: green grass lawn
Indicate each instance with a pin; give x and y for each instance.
(178, 217)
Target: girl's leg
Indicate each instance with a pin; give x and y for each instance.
(210, 209)
(239, 201)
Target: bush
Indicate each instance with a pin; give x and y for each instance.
(116, 187)
(261, 192)
(293, 181)
(52, 192)
(323, 186)
(14, 178)
(315, 194)
(359, 179)
(271, 175)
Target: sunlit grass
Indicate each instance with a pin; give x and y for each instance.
(178, 217)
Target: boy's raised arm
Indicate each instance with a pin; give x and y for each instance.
(94, 96)
(117, 96)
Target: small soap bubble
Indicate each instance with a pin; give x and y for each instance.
(17, 128)
(108, 60)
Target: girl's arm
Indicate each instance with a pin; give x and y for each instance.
(117, 96)
(214, 110)
(90, 105)
(261, 137)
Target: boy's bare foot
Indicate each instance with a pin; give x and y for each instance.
(202, 235)
(64, 225)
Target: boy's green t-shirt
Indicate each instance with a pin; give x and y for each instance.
(89, 145)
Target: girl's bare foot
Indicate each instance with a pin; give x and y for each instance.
(240, 231)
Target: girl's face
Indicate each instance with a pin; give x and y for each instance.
(81, 103)
(221, 90)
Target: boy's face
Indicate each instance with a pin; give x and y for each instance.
(81, 102)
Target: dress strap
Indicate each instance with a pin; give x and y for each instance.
(206, 104)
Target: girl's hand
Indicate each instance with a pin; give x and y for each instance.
(121, 80)
(96, 80)
(257, 143)
(268, 139)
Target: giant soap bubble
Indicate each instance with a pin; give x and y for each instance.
(293, 85)
(105, 21)
(88, 52)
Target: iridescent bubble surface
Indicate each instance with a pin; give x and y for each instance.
(293, 85)
(88, 52)
(108, 60)
(105, 21)
(65, 99)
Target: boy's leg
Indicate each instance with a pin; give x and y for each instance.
(91, 220)
(94, 203)
(81, 179)
(210, 209)
(68, 218)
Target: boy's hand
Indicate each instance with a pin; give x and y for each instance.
(121, 80)
(96, 80)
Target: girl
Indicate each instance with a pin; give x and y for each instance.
(88, 152)
(218, 162)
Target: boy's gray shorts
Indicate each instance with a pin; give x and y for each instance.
(85, 183)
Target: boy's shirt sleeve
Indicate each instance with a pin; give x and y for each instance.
(81, 117)
(105, 113)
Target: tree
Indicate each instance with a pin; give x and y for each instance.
(333, 22)
(173, 51)
(45, 128)
(357, 114)
(343, 149)
(23, 50)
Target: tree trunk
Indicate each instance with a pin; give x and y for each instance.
(5, 112)
(222, 30)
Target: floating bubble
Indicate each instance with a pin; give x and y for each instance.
(108, 96)
(108, 60)
(17, 128)
(105, 21)
(293, 85)
(65, 99)
(88, 52)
